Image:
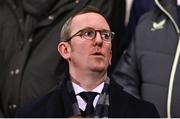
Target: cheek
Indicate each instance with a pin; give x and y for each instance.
(109, 54)
(80, 50)
(108, 50)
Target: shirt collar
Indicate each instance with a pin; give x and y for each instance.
(78, 89)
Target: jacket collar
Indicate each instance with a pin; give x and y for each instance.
(168, 7)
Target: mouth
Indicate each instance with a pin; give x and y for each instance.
(97, 54)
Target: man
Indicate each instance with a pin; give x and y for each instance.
(149, 69)
(29, 32)
(86, 45)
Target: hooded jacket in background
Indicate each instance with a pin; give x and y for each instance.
(150, 68)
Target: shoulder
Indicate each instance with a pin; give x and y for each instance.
(123, 103)
(41, 106)
(142, 108)
(148, 18)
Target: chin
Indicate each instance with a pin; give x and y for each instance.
(98, 69)
(98, 66)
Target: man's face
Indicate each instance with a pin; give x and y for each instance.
(95, 54)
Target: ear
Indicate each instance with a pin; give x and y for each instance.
(64, 50)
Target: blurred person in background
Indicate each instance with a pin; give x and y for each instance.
(149, 68)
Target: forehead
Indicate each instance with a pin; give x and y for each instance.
(91, 19)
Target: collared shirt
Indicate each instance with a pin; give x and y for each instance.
(178, 2)
(81, 102)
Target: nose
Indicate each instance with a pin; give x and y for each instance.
(98, 40)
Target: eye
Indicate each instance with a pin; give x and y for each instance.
(105, 35)
(88, 34)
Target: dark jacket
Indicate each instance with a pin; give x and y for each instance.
(58, 103)
(30, 64)
(146, 67)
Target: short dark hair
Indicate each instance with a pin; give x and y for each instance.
(65, 31)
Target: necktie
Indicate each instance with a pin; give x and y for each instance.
(89, 98)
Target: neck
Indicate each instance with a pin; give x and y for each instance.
(88, 80)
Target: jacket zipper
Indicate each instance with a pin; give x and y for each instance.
(175, 61)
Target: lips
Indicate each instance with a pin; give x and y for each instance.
(98, 54)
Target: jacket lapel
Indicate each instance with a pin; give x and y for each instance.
(66, 100)
(118, 104)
